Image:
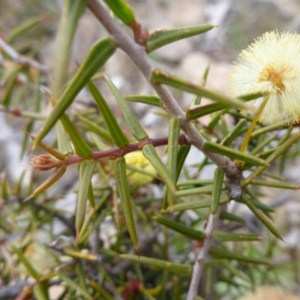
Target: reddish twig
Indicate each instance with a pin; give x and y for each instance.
(46, 162)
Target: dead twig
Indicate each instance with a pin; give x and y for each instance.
(22, 60)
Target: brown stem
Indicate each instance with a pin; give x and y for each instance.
(113, 153)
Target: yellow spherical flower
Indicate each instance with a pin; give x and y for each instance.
(271, 65)
(142, 172)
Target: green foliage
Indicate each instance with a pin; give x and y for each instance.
(115, 244)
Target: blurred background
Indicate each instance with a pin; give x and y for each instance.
(238, 23)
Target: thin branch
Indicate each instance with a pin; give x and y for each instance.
(17, 112)
(202, 255)
(39, 162)
(138, 55)
(22, 60)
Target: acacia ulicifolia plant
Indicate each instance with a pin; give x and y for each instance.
(267, 70)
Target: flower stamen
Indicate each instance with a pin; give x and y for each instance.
(271, 66)
(276, 78)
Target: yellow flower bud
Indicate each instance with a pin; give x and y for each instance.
(142, 172)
